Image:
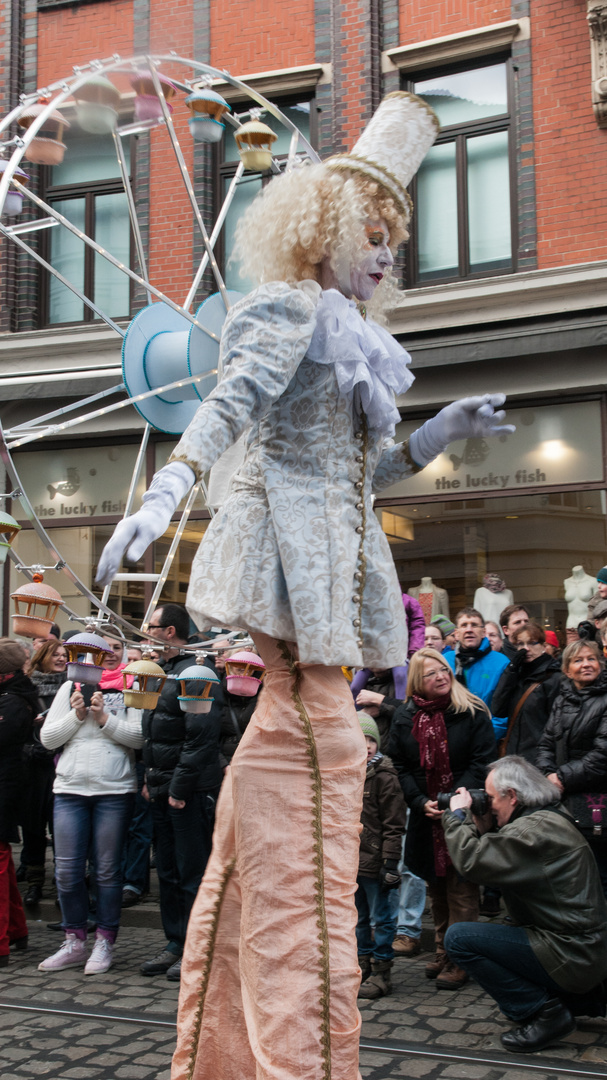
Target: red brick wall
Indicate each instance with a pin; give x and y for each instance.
(570, 150)
(68, 36)
(261, 35)
(423, 19)
(170, 258)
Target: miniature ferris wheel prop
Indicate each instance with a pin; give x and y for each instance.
(170, 349)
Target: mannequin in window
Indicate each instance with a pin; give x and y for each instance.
(579, 589)
(433, 601)
(492, 598)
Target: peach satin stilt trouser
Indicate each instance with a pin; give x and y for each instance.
(270, 973)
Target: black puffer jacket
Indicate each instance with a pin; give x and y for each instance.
(181, 751)
(236, 712)
(574, 743)
(533, 716)
(471, 745)
(384, 816)
(18, 707)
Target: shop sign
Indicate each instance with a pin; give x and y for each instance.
(553, 445)
(83, 482)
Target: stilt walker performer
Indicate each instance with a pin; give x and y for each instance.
(297, 556)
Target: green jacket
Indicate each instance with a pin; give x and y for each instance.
(550, 884)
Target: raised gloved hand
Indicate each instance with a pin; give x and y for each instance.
(134, 534)
(389, 877)
(519, 659)
(468, 418)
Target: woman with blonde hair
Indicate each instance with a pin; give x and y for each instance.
(441, 739)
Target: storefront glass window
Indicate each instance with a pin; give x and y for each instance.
(531, 540)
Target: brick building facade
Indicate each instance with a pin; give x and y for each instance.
(505, 274)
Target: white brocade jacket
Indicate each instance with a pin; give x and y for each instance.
(296, 551)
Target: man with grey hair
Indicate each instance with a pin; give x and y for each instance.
(547, 966)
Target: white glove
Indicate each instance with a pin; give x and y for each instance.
(134, 534)
(468, 418)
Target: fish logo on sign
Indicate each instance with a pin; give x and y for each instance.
(475, 453)
(65, 487)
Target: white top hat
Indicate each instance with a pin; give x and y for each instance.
(393, 145)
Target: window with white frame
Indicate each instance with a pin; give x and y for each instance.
(463, 224)
(87, 189)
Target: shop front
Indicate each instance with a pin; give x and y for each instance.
(528, 507)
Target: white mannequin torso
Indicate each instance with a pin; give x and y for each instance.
(579, 588)
(492, 604)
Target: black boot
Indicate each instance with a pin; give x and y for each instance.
(364, 962)
(33, 895)
(546, 1026)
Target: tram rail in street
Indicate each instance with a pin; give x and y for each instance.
(397, 1049)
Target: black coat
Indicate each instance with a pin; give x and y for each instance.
(471, 744)
(236, 712)
(533, 715)
(574, 742)
(18, 707)
(383, 818)
(181, 751)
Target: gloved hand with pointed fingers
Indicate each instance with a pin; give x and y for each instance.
(473, 417)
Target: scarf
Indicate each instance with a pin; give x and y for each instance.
(494, 583)
(112, 680)
(430, 731)
(465, 658)
(364, 355)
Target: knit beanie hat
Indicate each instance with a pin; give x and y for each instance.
(443, 624)
(369, 727)
(12, 656)
(602, 575)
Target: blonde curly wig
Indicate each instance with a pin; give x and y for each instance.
(308, 214)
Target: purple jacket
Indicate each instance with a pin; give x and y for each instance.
(417, 626)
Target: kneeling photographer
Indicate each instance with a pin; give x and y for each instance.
(547, 966)
(441, 739)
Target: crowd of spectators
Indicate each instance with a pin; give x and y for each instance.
(106, 782)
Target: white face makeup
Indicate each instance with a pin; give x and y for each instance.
(371, 263)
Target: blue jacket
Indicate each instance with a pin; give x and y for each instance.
(482, 679)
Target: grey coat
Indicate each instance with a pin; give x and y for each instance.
(550, 884)
(296, 551)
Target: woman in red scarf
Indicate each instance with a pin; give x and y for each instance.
(441, 739)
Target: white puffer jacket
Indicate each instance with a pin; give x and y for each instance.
(95, 760)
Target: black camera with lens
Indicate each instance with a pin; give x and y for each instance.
(480, 800)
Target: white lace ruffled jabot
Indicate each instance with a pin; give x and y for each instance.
(363, 355)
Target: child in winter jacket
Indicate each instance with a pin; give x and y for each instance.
(383, 819)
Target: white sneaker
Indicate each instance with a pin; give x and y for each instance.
(100, 959)
(71, 954)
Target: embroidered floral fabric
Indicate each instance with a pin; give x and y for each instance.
(281, 555)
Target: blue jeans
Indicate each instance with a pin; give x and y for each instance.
(408, 902)
(102, 821)
(373, 906)
(501, 960)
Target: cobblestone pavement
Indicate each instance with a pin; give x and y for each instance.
(34, 1044)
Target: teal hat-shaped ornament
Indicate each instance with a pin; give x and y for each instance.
(207, 107)
(196, 684)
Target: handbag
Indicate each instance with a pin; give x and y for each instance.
(502, 745)
(589, 811)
